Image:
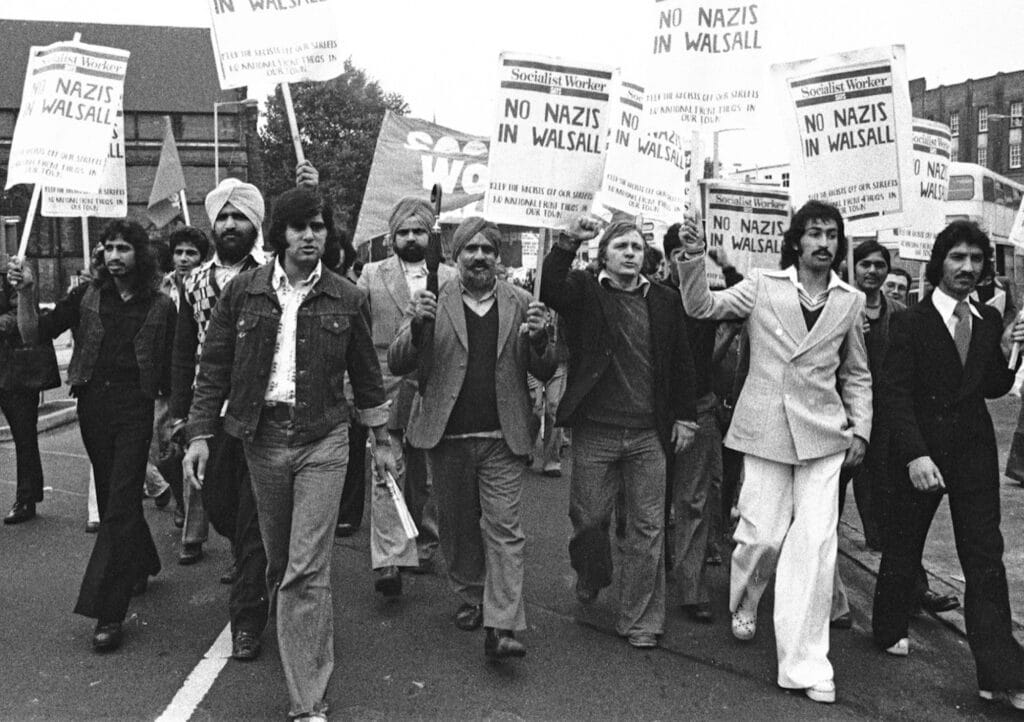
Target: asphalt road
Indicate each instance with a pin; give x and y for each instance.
(405, 659)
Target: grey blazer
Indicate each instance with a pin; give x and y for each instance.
(807, 393)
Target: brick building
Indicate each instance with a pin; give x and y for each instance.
(986, 117)
(171, 72)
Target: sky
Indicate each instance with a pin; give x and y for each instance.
(442, 55)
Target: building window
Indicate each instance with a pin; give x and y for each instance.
(1017, 114)
(983, 119)
(954, 123)
(1015, 155)
(785, 180)
(983, 157)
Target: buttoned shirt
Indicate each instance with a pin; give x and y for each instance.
(606, 280)
(223, 273)
(415, 276)
(946, 306)
(479, 306)
(281, 387)
(812, 303)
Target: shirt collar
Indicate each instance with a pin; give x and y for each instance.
(946, 305)
(833, 279)
(418, 268)
(280, 278)
(606, 280)
(250, 259)
(486, 297)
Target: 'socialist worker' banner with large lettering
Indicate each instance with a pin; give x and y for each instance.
(109, 201)
(548, 141)
(411, 156)
(69, 107)
(926, 206)
(748, 221)
(645, 174)
(704, 61)
(849, 132)
(281, 41)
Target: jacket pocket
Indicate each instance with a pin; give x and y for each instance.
(246, 324)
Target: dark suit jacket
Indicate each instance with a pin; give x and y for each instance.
(935, 406)
(579, 298)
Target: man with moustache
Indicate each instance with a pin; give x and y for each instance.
(946, 356)
(236, 211)
(473, 415)
(390, 285)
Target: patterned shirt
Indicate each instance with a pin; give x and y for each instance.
(281, 388)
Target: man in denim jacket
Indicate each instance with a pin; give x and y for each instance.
(277, 349)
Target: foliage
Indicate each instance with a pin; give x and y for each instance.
(339, 121)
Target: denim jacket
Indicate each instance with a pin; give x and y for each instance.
(333, 337)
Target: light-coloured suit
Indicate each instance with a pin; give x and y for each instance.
(806, 395)
(385, 284)
(478, 478)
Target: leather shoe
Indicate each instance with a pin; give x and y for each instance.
(700, 612)
(824, 692)
(190, 554)
(343, 529)
(584, 594)
(140, 586)
(21, 511)
(107, 636)
(91, 527)
(1012, 697)
(935, 602)
(502, 644)
(389, 582)
(179, 517)
(469, 617)
(900, 649)
(245, 646)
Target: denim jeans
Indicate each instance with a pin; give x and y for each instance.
(606, 458)
(297, 488)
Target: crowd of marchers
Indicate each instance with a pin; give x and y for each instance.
(258, 386)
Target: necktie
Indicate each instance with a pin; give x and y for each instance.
(962, 330)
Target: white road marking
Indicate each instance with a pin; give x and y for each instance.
(199, 681)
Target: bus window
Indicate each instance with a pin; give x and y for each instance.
(988, 189)
(961, 188)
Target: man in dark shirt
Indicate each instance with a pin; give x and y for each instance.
(472, 415)
(630, 402)
(123, 334)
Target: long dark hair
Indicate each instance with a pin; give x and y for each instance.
(954, 234)
(812, 211)
(147, 274)
(295, 207)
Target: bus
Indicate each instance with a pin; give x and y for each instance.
(977, 194)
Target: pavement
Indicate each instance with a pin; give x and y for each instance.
(405, 660)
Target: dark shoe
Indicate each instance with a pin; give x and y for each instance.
(190, 554)
(935, 602)
(344, 529)
(163, 498)
(245, 646)
(553, 471)
(469, 617)
(389, 582)
(179, 517)
(21, 511)
(502, 644)
(426, 566)
(230, 575)
(140, 587)
(585, 595)
(91, 527)
(700, 612)
(107, 636)
(843, 621)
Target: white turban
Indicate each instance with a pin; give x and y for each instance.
(243, 196)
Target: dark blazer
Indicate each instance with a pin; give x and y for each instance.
(581, 300)
(935, 406)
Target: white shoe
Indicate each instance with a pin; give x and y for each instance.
(1013, 697)
(824, 692)
(744, 625)
(900, 649)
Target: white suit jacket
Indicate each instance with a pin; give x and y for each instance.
(807, 393)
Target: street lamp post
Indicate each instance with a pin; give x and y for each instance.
(248, 103)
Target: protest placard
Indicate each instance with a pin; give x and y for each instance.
(1017, 231)
(849, 132)
(645, 173)
(69, 105)
(280, 41)
(925, 215)
(411, 156)
(109, 201)
(704, 62)
(548, 140)
(748, 221)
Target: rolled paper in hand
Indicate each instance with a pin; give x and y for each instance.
(408, 525)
